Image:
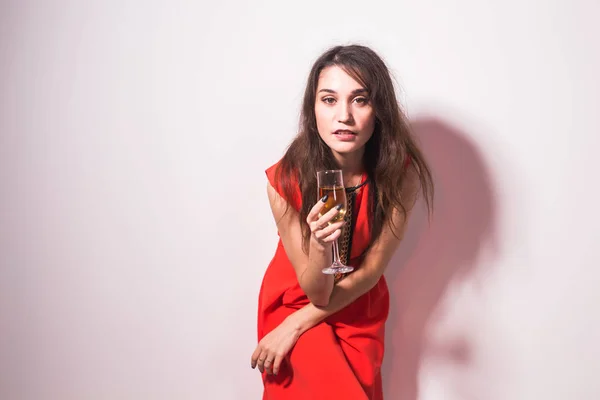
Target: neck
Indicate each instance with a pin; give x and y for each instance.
(351, 165)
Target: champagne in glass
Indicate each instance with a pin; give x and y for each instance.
(335, 197)
(331, 183)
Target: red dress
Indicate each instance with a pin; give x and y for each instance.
(341, 357)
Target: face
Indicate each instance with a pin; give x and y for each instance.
(345, 116)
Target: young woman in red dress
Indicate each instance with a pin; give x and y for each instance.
(321, 336)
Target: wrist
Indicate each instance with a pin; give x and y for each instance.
(300, 321)
(317, 246)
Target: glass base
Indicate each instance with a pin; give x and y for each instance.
(337, 267)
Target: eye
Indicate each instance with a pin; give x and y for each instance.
(328, 100)
(361, 100)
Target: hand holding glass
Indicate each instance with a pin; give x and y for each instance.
(331, 183)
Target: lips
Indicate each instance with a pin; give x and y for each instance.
(343, 132)
(345, 135)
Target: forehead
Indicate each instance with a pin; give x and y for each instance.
(335, 78)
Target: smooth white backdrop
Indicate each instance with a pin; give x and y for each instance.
(135, 229)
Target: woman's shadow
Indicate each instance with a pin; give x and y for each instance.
(433, 255)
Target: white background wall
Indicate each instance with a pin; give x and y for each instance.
(134, 226)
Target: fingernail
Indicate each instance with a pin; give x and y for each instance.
(324, 198)
(339, 207)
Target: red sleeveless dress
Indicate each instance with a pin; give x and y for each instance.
(341, 357)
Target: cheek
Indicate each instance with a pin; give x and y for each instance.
(368, 122)
(322, 119)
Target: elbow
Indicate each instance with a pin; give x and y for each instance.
(319, 298)
(318, 292)
(319, 301)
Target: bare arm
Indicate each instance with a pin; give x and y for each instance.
(354, 285)
(366, 277)
(271, 350)
(316, 285)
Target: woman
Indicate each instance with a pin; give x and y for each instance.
(322, 336)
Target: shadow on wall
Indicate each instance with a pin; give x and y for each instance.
(432, 256)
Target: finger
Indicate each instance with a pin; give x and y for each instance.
(333, 236)
(269, 364)
(314, 212)
(261, 361)
(277, 364)
(324, 220)
(255, 355)
(323, 233)
(328, 216)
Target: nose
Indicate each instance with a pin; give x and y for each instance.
(344, 112)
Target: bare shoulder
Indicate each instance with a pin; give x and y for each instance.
(279, 206)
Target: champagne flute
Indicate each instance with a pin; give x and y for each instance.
(331, 183)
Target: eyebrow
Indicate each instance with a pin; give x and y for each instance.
(355, 91)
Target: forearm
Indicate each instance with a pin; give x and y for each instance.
(345, 292)
(316, 285)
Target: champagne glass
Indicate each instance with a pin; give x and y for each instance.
(331, 183)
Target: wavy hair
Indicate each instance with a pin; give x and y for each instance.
(389, 154)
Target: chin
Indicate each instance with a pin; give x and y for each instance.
(346, 148)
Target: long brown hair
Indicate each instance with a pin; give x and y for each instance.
(388, 152)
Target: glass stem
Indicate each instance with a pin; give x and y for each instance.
(336, 253)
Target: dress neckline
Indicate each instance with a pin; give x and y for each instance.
(365, 179)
